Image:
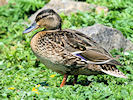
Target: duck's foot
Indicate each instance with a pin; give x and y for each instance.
(75, 79)
(64, 80)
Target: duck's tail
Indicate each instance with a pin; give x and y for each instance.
(112, 70)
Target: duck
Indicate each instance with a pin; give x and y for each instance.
(67, 51)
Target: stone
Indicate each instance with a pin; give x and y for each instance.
(107, 37)
(101, 9)
(69, 6)
(3, 2)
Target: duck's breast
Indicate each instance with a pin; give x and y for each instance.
(48, 52)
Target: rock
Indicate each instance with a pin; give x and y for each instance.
(3, 2)
(107, 37)
(101, 9)
(68, 7)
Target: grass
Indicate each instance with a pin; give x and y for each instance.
(20, 72)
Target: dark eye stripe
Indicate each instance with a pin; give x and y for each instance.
(38, 18)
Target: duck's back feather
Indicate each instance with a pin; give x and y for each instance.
(87, 49)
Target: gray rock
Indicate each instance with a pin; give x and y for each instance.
(68, 7)
(107, 37)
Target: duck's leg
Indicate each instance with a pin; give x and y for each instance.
(75, 79)
(64, 80)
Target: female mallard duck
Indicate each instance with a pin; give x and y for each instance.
(69, 52)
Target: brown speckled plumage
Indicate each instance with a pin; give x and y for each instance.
(70, 52)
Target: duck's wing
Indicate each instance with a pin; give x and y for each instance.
(97, 58)
(89, 51)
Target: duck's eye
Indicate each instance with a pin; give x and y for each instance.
(50, 18)
(41, 17)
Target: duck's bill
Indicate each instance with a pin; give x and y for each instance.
(31, 28)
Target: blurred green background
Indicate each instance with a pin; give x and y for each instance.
(20, 72)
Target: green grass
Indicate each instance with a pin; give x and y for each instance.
(20, 72)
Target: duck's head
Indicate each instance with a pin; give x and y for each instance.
(47, 19)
